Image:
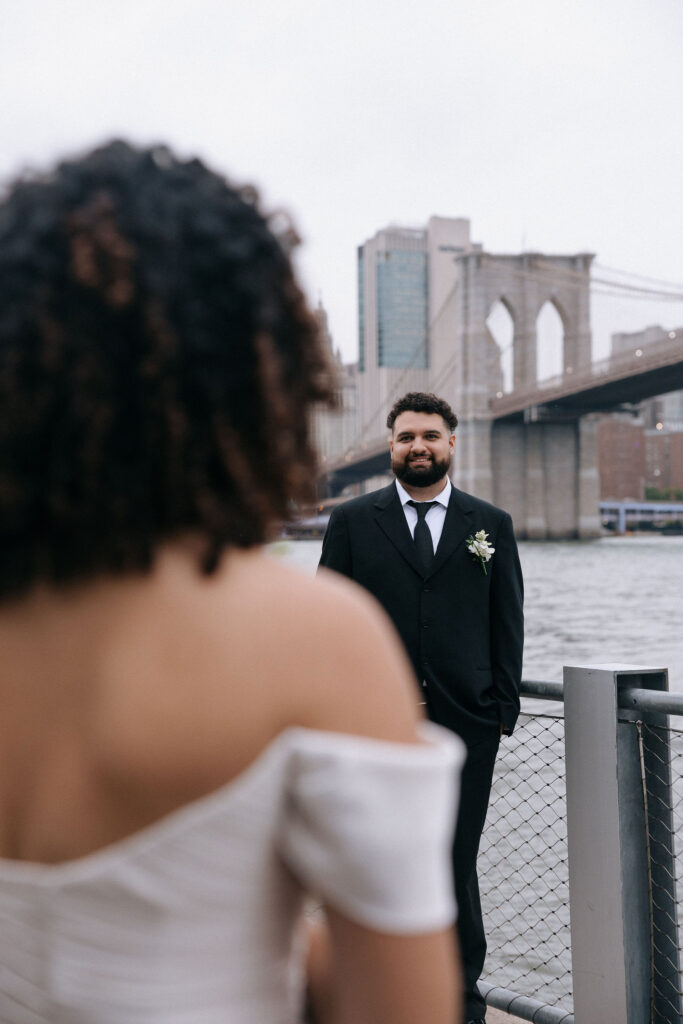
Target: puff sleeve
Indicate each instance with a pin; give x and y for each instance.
(367, 826)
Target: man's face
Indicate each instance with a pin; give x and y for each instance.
(421, 448)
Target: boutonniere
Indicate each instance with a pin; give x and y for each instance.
(480, 548)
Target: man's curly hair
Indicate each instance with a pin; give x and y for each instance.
(158, 364)
(423, 401)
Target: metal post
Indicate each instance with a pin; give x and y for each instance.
(608, 840)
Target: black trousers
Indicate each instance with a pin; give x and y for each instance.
(475, 789)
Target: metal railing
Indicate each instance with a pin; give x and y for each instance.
(579, 858)
(523, 873)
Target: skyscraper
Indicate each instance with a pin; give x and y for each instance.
(404, 277)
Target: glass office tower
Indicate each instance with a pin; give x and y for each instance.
(392, 300)
(405, 275)
(402, 309)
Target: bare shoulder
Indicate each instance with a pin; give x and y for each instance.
(201, 673)
(340, 662)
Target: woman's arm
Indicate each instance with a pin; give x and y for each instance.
(360, 976)
(357, 974)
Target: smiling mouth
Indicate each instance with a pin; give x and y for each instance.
(420, 458)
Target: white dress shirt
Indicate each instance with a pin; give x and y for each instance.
(435, 516)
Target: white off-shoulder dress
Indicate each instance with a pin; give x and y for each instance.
(193, 919)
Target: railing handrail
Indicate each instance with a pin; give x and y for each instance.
(629, 697)
(542, 689)
(651, 700)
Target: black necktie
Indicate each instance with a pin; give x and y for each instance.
(422, 535)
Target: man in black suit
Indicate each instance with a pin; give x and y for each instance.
(456, 601)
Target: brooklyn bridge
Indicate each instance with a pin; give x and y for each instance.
(530, 448)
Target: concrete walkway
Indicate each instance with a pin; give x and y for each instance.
(498, 1017)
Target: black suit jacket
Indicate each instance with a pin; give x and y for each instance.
(463, 629)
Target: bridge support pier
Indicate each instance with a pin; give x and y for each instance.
(545, 474)
(535, 522)
(588, 497)
(473, 471)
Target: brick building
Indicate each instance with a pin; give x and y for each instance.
(637, 454)
(621, 458)
(664, 461)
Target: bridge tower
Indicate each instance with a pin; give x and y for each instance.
(544, 472)
(425, 295)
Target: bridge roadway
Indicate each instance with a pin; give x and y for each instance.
(604, 386)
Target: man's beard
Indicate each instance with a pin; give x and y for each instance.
(421, 476)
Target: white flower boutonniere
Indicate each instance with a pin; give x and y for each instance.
(480, 548)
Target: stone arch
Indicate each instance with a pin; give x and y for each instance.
(561, 310)
(500, 324)
(521, 284)
(551, 331)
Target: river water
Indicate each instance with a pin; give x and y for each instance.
(616, 599)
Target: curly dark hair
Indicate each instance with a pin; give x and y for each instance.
(423, 401)
(158, 364)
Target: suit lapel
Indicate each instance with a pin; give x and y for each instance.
(457, 525)
(392, 520)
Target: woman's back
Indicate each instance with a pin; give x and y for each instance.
(127, 698)
(183, 755)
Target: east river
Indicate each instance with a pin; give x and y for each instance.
(617, 599)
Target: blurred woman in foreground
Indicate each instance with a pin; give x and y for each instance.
(193, 738)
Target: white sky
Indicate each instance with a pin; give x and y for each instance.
(552, 125)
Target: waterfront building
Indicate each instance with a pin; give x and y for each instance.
(637, 462)
(335, 430)
(641, 456)
(621, 458)
(664, 464)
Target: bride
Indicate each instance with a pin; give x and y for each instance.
(195, 740)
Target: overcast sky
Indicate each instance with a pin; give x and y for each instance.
(553, 126)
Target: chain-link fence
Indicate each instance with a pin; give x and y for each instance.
(523, 873)
(661, 751)
(523, 862)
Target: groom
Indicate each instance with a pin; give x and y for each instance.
(456, 601)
